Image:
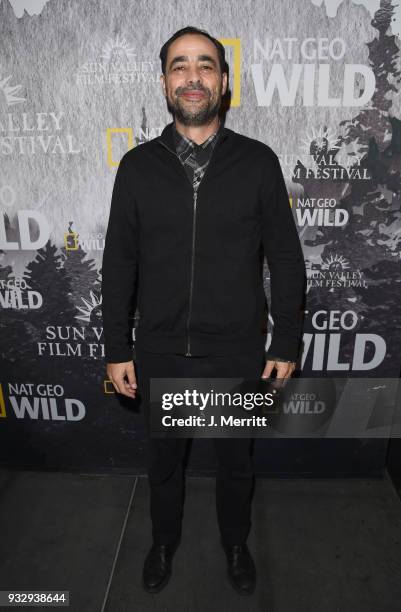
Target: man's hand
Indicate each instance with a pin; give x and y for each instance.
(283, 368)
(117, 372)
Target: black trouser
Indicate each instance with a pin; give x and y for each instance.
(235, 475)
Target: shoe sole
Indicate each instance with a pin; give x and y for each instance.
(239, 591)
(165, 581)
(159, 587)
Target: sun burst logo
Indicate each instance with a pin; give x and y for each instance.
(319, 141)
(335, 262)
(117, 49)
(91, 308)
(10, 91)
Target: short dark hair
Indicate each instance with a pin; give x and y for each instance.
(191, 30)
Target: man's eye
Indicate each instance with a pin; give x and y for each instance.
(206, 67)
(178, 67)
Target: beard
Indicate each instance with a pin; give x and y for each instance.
(197, 116)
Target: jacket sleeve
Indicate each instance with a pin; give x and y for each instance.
(119, 268)
(286, 263)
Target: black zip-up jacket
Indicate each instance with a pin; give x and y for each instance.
(195, 259)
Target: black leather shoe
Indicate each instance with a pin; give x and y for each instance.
(241, 568)
(157, 567)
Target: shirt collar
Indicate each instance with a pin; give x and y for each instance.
(183, 143)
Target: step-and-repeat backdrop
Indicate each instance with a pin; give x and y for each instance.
(317, 80)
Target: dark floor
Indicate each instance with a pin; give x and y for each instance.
(327, 545)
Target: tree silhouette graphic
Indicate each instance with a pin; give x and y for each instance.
(373, 122)
(81, 273)
(5, 271)
(12, 320)
(370, 241)
(46, 275)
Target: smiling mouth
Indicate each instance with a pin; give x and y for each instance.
(193, 95)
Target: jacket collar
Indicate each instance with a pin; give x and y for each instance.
(167, 136)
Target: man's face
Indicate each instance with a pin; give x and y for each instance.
(193, 83)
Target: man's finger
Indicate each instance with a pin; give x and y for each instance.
(123, 387)
(128, 388)
(284, 371)
(268, 368)
(131, 377)
(115, 386)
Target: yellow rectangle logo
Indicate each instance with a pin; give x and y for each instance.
(109, 143)
(108, 386)
(2, 403)
(235, 43)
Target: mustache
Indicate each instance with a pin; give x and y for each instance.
(181, 90)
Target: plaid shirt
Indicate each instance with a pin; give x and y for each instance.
(195, 159)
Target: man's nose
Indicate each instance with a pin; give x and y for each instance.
(193, 75)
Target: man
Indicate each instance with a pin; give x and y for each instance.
(193, 213)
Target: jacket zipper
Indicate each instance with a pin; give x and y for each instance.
(191, 285)
(195, 197)
(188, 353)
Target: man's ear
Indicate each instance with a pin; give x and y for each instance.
(225, 83)
(163, 84)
